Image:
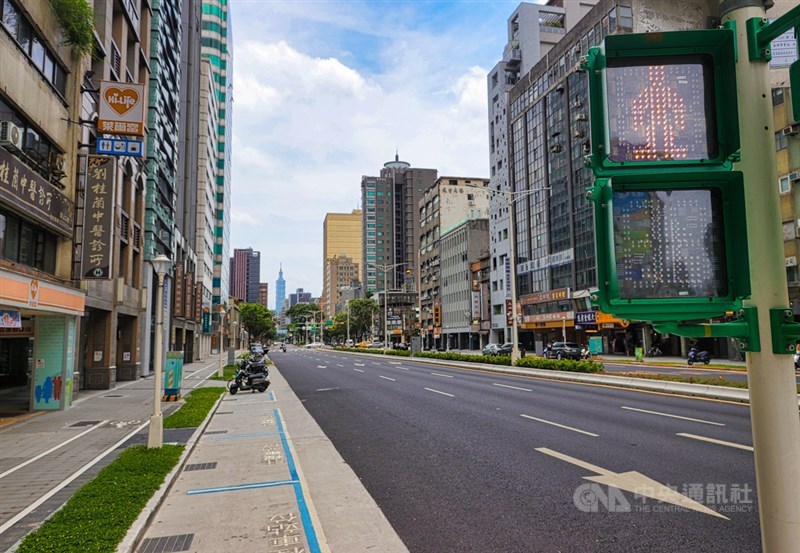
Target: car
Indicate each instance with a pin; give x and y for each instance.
(491, 349)
(505, 349)
(363, 344)
(564, 350)
(349, 344)
(401, 346)
(375, 345)
(314, 345)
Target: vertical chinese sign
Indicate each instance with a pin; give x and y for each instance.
(98, 222)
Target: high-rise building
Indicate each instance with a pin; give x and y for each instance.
(245, 271)
(444, 205)
(218, 49)
(280, 290)
(263, 293)
(532, 31)
(390, 225)
(299, 296)
(340, 271)
(341, 237)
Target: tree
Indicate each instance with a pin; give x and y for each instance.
(258, 321)
(361, 316)
(300, 310)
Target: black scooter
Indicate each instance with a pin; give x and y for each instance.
(698, 357)
(249, 376)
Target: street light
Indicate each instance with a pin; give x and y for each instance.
(221, 370)
(386, 269)
(155, 437)
(511, 197)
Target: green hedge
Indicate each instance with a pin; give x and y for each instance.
(395, 352)
(195, 409)
(452, 356)
(563, 365)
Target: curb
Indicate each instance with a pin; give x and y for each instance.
(738, 395)
(137, 530)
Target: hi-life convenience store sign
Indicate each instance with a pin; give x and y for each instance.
(121, 109)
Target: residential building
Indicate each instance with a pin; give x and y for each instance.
(341, 271)
(341, 237)
(532, 30)
(390, 225)
(446, 203)
(347, 294)
(205, 212)
(481, 310)
(245, 274)
(110, 257)
(40, 305)
(217, 47)
(462, 244)
(547, 133)
(263, 293)
(280, 290)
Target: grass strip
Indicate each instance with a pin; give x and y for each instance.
(99, 515)
(654, 362)
(195, 409)
(228, 372)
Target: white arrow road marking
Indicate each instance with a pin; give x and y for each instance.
(672, 416)
(634, 482)
(387, 378)
(512, 387)
(713, 441)
(438, 392)
(359, 370)
(444, 375)
(560, 425)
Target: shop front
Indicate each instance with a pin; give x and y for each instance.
(39, 323)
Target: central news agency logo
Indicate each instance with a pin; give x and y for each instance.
(722, 498)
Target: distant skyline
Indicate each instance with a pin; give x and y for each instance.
(325, 92)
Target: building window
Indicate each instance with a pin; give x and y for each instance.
(27, 244)
(625, 17)
(780, 141)
(777, 96)
(783, 185)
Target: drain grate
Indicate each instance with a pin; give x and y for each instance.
(167, 544)
(224, 413)
(200, 466)
(113, 395)
(83, 423)
(216, 432)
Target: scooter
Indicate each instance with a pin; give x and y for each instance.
(585, 354)
(283, 349)
(250, 378)
(698, 357)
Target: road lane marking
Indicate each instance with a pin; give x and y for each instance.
(387, 378)
(339, 365)
(358, 364)
(635, 482)
(201, 370)
(403, 368)
(359, 370)
(561, 426)
(438, 392)
(52, 449)
(672, 416)
(395, 362)
(444, 375)
(322, 366)
(512, 387)
(713, 441)
(374, 363)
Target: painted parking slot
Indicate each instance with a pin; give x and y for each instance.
(565, 427)
(671, 416)
(715, 441)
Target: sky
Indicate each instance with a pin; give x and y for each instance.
(325, 92)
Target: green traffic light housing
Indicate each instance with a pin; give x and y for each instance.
(663, 101)
(671, 246)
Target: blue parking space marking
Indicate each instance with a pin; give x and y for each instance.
(305, 517)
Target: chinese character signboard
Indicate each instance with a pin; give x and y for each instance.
(98, 218)
(121, 109)
(24, 189)
(177, 304)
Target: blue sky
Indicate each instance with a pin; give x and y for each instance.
(324, 92)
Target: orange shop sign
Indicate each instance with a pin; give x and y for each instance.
(121, 109)
(19, 291)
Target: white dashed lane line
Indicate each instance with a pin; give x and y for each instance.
(387, 378)
(359, 370)
(714, 441)
(560, 425)
(438, 392)
(512, 387)
(444, 375)
(671, 416)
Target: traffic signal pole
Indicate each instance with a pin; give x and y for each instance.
(771, 376)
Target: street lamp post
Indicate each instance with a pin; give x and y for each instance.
(155, 437)
(348, 322)
(221, 370)
(386, 269)
(512, 197)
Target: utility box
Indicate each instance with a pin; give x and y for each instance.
(416, 345)
(173, 374)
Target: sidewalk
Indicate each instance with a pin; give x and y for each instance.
(262, 476)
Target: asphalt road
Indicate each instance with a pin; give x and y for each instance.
(463, 460)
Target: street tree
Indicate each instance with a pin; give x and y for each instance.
(259, 321)
(362, 312)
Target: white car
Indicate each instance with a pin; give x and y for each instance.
(314, 345)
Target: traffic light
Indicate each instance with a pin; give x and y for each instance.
(669, 211)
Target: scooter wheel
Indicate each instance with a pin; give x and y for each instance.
(233, 389)
(262, 388)
(689, 361)
(707, 361)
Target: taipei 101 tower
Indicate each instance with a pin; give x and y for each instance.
(280, 290)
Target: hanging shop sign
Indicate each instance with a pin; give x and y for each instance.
(121, 109)
(98, 218)
(24, 189)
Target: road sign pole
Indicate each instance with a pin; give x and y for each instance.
(771, 377)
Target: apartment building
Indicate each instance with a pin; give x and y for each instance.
(341, 238)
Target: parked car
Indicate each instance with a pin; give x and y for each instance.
(564, 350)
(349, 344)
(491, 349)
(314, 345)
(505, 349)
(401, 346)
(375, 345)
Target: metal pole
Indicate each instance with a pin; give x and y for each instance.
(385, 312)
(221, 369)
(512, 231)
(155, 434)
(771, 377)
(348, 321)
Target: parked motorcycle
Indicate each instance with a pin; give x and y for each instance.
(249, 376)
(698, 357)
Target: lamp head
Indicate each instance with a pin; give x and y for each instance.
(161, 264)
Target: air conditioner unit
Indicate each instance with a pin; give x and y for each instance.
(57, 162)
(10, 136)
(577, 133)
(556, 148)
(791, 130)
(794, 177)
(580, 117)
